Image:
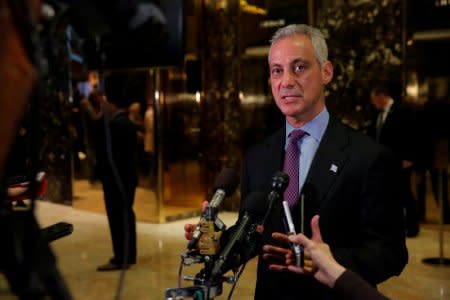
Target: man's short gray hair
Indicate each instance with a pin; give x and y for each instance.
(315, 35)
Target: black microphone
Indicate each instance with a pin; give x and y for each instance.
(245, 241)
(224, 186)
(278, 185)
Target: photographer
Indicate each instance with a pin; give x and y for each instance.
(25, 257)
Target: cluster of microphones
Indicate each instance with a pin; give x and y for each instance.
(243, 241)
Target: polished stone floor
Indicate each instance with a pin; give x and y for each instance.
(160, 247)
(180, 201)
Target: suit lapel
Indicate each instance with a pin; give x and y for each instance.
(327, 163)
(388, 120)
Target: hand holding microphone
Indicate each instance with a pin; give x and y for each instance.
(321, 261)
(189, 229)
(278, 254)
(224, 186)
(310, 262)
(298, 249)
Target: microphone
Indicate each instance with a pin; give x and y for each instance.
(224, 186)
(298, 250)
(278, 185)
(245, 241)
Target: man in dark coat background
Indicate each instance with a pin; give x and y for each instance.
(393, 126)
(117, 151)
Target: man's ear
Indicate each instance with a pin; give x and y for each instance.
(327, 72)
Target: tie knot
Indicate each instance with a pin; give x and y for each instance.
(296, 135)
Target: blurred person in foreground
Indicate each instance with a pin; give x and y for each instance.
(26, 259)
(16, 70)
(343, 176)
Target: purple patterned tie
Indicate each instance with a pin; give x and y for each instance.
(291, 167)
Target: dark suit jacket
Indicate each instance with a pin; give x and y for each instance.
(399, 132)
(123, 148)
(360, 215)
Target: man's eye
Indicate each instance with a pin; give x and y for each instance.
(276, 71)
(299, 68)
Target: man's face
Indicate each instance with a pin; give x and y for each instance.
(297, 80)
(378, 101)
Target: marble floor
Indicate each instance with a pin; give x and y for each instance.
(160, 247)
(183, 193)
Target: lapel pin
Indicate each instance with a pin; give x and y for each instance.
(333, 168)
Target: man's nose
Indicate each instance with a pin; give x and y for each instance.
(288, 79)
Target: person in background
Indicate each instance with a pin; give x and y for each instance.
(434, 154)
(149, 140)
(394, 127)
(119, 176)
(135, 115)
(344, 282)
(91, 119)
(339, 173)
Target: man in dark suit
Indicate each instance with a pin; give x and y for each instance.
(393, 127)
(118, 172)
(344, 177)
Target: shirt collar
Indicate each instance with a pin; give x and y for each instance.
(314, 128)
(388, 105)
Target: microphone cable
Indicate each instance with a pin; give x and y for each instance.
(236, 280)
(180, 268)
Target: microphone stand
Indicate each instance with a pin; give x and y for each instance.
(206, 286)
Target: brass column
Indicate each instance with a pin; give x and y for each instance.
(157, 76)
(221, 130)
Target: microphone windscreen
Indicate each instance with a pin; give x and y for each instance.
(227, 180)
(280, 181)
(256, 205)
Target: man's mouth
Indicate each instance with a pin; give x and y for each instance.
(290, 97)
